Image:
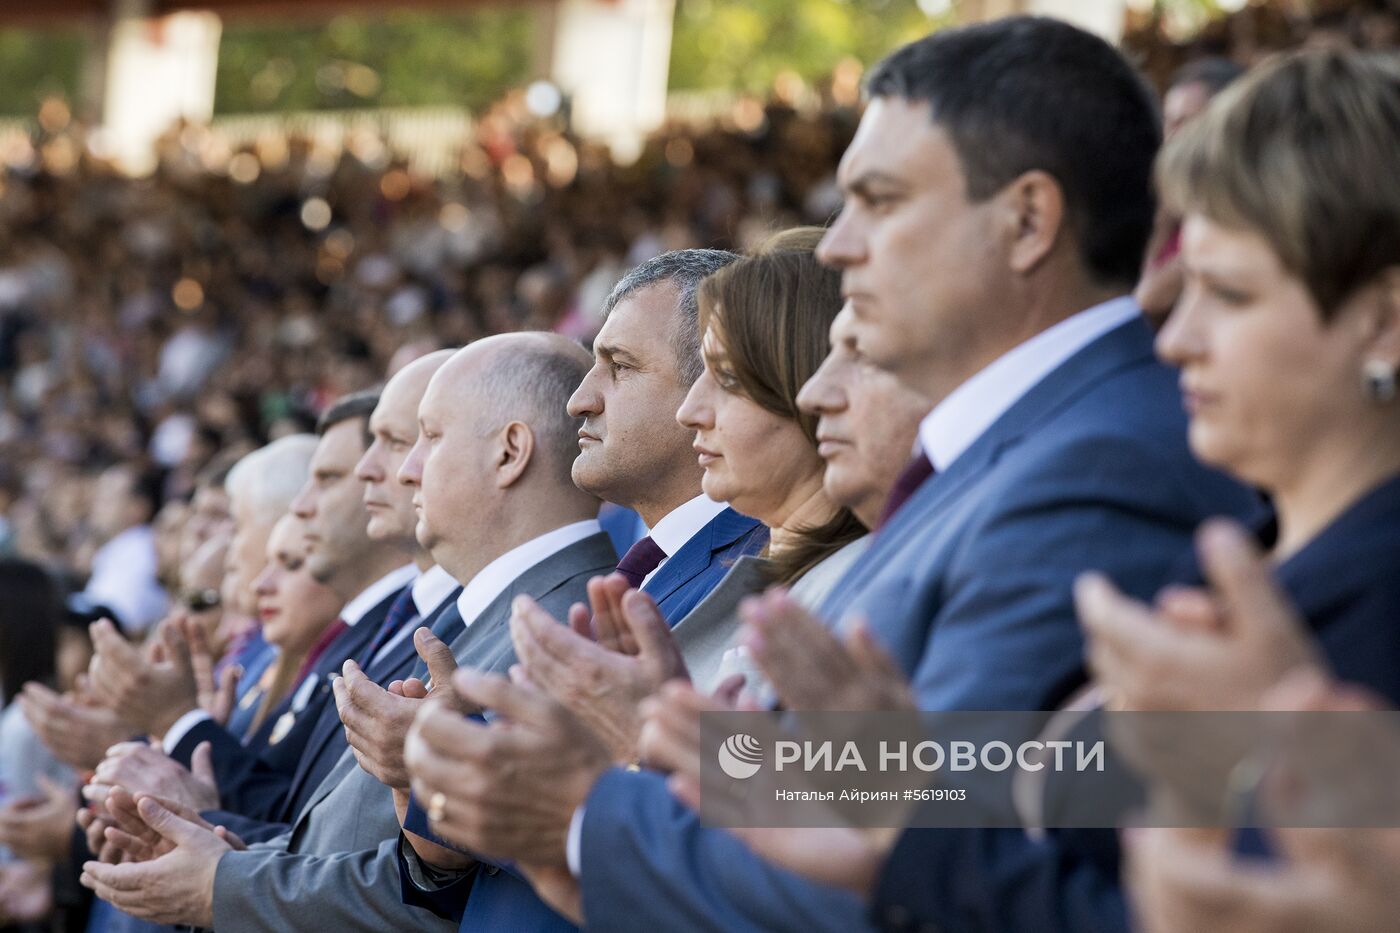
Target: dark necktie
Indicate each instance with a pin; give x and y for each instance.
(401, 611)
(910, 478)
(640, 560)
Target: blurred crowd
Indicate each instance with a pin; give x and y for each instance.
(1164, 37)
(373, 546)
(225, 299)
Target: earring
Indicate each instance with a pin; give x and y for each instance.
(1380, 381)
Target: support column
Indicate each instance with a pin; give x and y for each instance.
(1102, 17)
(158, 70)
(612, 57)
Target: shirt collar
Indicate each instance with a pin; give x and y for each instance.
(959, 420)
(493, 579)
(684, 522)
(376, 593)
(431, 588)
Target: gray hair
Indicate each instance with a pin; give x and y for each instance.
(533, 383)
(269, 478)
(685, 269)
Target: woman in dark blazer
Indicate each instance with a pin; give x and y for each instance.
(1288, 332)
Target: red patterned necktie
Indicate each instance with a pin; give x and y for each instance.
(332, 632)
(641, 559)
(910, 479)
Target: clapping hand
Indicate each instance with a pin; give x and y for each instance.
(377, 719)
(602, 681)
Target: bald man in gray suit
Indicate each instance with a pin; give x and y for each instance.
(499, 511)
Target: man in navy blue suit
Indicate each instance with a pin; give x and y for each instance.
(632, 451)
(997, 207)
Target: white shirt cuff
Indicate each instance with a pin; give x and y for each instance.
(573, 846)
(182, 727)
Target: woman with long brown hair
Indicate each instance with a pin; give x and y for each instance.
(764, 322)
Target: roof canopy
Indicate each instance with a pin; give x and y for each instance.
(67, 12)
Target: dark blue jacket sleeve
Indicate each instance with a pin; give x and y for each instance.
(1001, 879)
(246, 828)
(252, 784)
(648, 864)
(448, 902)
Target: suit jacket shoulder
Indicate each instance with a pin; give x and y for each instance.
(970, 586)
(708, 629)
(689, 574)
(555, 583)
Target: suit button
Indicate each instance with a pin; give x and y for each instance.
(493, 869)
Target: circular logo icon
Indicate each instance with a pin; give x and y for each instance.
(740, 756)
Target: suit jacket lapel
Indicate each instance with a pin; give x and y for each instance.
(404, 652)
(1127, 345)
(745, 578)
(695, 555)
(594, 553)
(329, 725)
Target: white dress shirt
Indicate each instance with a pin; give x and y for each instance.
(959, 420)
(431, 588)
(353, 612)
(377, 592)
(680, 525)
(124, 579)
(501, 572)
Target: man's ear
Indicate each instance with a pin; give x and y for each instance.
(1035, 217)
(1385, 345)
(515, 448)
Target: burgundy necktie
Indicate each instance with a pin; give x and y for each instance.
(332, 632)
(910, 478)
(640, 560)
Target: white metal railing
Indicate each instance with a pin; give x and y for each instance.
(430, 138)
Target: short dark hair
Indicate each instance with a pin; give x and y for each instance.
(1214, 71)
(1028, 92)
(148, 482)
(355, 405)
(215, 472)
(685, 269)
(31, 610)
(1301, 153)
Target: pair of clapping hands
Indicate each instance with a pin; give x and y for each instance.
(1239, 645)
(129, 690)
(608, 688)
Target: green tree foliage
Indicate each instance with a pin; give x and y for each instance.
(743, 44)
(399, 59)
(36, 63)
(415, 58)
